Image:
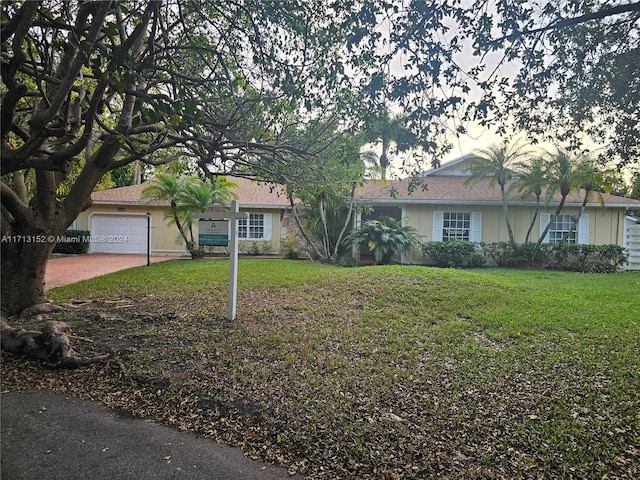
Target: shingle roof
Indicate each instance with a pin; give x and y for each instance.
(251, 194)
(440, 189)
(451, 189)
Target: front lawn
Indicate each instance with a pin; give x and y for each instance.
(374, 372)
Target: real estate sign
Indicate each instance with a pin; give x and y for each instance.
(214, 233)
(213, 217)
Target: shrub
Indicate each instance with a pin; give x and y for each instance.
(456, 254)
(517, 255)
(385, 238)
(74, 242)
(288, 245)
(348, 260)
(568, 257)
(587, 258)
(247, 247)
(255, 248)
(266, 247)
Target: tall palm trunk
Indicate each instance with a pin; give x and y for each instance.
(384, 158)
(576, 220)
(183, 234)
(533, 220)
(505, 210)
(564, 192)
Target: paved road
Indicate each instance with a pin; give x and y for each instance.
(50, 436)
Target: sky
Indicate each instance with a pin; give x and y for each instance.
(477, 136)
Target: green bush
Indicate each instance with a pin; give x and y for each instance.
(587, 258)
(266, 247)
(74, 242)
(517, 255)
(288, 245)
(568, 257)
(348, 260)
(455, 254)
(255, 248)
(384, 238)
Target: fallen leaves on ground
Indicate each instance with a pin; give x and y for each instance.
(332, 383)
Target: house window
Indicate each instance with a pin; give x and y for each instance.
(560, 228)
(449, 226)
(252, 228)
(561, 225)
(456, 226)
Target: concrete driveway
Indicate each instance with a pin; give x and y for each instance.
(65, 270)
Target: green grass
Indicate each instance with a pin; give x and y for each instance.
(378, 372)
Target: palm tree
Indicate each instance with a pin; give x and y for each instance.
(530, 179)
(495, 163)
(563, 177)
(390, 130)
(198, 194)
(167, 187)
(187, 196)
(593, 180)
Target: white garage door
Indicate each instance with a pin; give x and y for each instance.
(119, 234)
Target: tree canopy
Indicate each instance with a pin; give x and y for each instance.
(565, 71)
(90, 87)
(263, 88)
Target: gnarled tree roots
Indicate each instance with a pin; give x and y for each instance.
(52, 346)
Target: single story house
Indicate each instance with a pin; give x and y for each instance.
(119, 220)
(447, 209)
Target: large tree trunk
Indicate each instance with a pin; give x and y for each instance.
(24, 262)
(346, 224)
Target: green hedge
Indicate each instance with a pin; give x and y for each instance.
(587, 258)
(518, 255)
(568, 257)
(454, 254)
(74, 242)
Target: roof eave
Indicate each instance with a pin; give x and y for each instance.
(264, 206)
(132, 203)
(441, 201)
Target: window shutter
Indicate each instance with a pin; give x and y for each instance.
(583, 230)
(545, 218)
(267, 227)
(438, 220)
(476, 227)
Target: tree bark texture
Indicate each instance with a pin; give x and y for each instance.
(24, 261)
(51, 346)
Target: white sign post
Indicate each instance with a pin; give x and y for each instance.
(214, 212)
